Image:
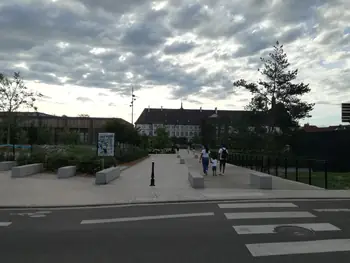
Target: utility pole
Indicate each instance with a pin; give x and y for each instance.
(132, 105)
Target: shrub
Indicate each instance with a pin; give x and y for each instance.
(84, 157)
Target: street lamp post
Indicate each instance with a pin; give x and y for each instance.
(132, 105)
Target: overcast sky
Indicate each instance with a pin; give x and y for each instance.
(84, 55)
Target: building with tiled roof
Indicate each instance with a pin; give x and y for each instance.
(183, 122)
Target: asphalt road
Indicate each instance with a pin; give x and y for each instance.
(178, 233)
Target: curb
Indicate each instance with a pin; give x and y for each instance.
(194, 201)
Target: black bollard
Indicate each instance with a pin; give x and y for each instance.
(152, 175)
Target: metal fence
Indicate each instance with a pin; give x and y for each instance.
(308, 171)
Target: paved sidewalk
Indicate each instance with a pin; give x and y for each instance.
(238, 178)
(133, 187)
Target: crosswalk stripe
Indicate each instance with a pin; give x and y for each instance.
(270, 229)
(257, 205)
(260, 215)
(5, 223)
(131, 219)
(300, 247)
(333, 210)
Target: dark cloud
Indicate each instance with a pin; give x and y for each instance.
(115, 45)
(178, 47)
(84, 99)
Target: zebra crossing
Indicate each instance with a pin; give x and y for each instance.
(300, 244)
(5, 224)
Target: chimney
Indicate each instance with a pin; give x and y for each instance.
(149, 109)
(161, 108)
(200, 109)
(216, 110)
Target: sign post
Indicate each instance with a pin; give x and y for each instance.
(105, 146)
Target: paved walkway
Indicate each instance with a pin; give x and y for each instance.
(238, 178)
(133, 187)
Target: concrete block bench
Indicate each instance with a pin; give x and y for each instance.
(182, 161)
(66, 172)
(6, 166)
(261, 180)
(26, 170)
(107, 175)
(196, 179)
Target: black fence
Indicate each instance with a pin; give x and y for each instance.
(309, 171)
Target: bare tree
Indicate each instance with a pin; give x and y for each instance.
(14, 95)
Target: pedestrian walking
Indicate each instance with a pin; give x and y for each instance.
(204, 157)
(223, 153)
(214, 162)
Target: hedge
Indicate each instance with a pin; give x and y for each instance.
(85, 159)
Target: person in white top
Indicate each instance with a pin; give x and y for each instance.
(204, 157)
(223, 154)
(214, 162)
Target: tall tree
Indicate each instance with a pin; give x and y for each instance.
(162, 139)
(14, 95)
(124, 132)
(277, 95)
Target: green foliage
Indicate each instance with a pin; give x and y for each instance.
(84, 157)
(68, 137)
(161, 140)
(276, 94)
(124, 131)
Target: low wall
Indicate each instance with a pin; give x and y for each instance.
(66, 172)
(26, 170)
(7, 166)
(107, 175)
(196, 179)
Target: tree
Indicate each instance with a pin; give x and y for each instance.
(277, 95)
(68, 137)
(161, 140)
(124, 132)
(13, 96)
(84, 115)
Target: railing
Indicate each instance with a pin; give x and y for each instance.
(308, 171)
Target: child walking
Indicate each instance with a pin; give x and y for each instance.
(214, 162)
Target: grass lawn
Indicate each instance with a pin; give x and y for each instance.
(334, 180)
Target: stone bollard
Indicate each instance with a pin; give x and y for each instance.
(196, 156)
(182, 161)
(178, 156)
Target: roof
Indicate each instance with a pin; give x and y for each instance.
(26, 113)
(187, 116)
(33, 114)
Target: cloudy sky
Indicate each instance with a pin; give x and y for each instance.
(85, 55)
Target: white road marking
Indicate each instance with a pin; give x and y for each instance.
(257, 205)
(5, 223)
(302, 247)
(43, 212)
(259, 215)
(269, 229)
(37, 216)
(130, 219)
(333, 210)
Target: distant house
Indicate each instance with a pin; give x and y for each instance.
(87, 127)
(183, 122)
